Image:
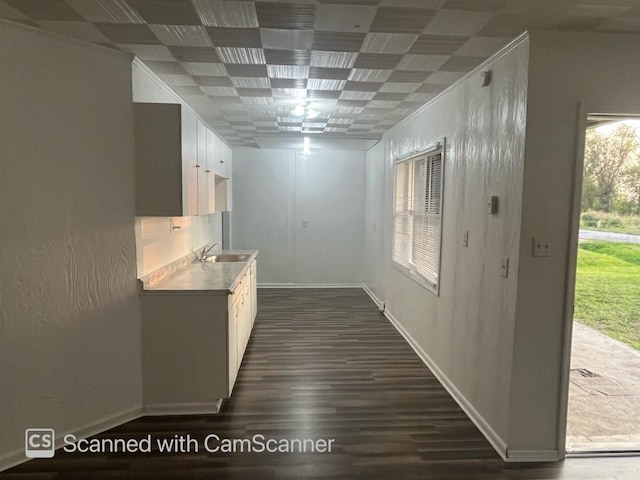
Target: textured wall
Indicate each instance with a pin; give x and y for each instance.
(570, 75)
(274, 191)
(69, 321)
(467, 331)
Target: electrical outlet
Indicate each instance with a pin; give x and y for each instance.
(541, 247)
(465, 239)
(491, 205)
(504, 267)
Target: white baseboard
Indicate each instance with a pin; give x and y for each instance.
(14, 458)
(533, 456)
(183, 408)
(379, 303)
(496, 441)
(310, 285)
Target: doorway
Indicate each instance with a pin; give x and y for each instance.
(604, 378)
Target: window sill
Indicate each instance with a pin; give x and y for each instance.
(417, 278)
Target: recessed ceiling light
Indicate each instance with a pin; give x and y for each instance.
(299, 110)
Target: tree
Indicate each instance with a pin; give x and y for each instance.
(606, 164)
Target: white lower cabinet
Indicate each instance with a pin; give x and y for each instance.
(193, 346)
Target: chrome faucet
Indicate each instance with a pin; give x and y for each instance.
(203, 255)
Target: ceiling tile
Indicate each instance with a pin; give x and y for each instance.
(187, 90)
(208, 81)
(460, 64)
(235, 37)
(169, 12)
(254, 92)
(287, 57)
(148, 52)
(431, 88)
(239, 70)
(45, 9)
(320, 84)
(482, 46)
(445, 77)
(369, 75)
(363, 86)
(225, 13)
(579, 23)
(288, 71)
(286, 15)
(330, 73)
(289, 93)
(419, 97)
(323, 94)
(436, 45)
(408, 76)
(587, 9)
(247, 56)
(205, 69)
(391, 96)
(355, 95)
(286, 39)
(80, 30)
(405, 20)
(195, 54)
(422, 62)
(128, 33)
(380, 61)
(165, 67)
(333, 59)
(251, 82)
(185, 35)
(475, 5)
(395, 87)
(257, 100)
(458, 23)
(621, 25)
(106, 11)
(387, 42)
(337, 42)
(177, 80)
(220, 91)
(344, 18)
(299, 83)
(384, 104)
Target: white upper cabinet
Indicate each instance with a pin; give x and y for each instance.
(178, 163)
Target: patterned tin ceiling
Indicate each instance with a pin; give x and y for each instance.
(350, 69)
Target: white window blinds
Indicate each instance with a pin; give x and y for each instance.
(417, 215)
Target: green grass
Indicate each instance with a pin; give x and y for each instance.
(608, 289)
(610, 222)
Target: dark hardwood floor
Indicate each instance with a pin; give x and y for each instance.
(325, 364)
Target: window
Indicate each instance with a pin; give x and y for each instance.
(417, 216)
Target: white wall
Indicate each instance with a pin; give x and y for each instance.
(157, 243)
(275, 190)
(600, 73)
(465, 333)
(69, 321)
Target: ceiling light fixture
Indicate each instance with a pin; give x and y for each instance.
(299, 110)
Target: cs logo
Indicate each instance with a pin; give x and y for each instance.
(39, 442)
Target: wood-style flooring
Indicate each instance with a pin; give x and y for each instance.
(325, 364)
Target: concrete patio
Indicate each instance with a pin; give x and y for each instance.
(604, 394)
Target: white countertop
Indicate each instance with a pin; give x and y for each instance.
(198, 278)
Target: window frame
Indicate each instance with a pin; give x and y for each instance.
(410, 270)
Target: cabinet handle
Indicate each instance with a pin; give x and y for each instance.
(208, 171)
(197, 166)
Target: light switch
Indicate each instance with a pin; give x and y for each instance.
(491, 205)
(465, 239)
(504, 267)
(305, 223)
(541, 247)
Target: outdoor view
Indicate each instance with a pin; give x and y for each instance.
(604, 389)
(608, 281)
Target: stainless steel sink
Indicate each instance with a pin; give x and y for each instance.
(226, 258)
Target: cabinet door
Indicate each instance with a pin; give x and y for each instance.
(254, 292)
(210, 171)
(228, 174)
(203, 207)
(233, 345)
(189, 163)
